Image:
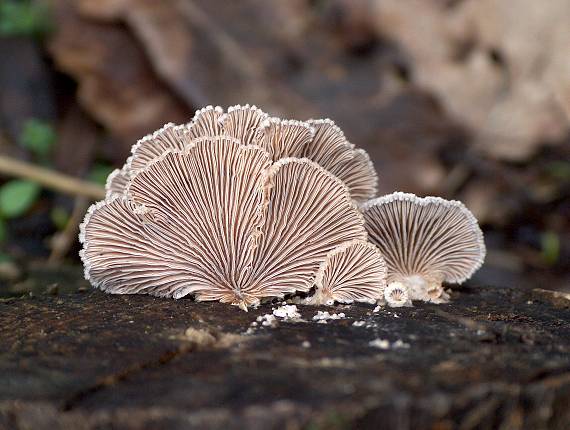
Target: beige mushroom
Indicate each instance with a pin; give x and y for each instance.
(116, 182)
(154, 145)
(219, 220)
(396, 295)
(331, 149)
(318, 140)
(284, 138)
(359, 175)
(329, 146)
(243, 123)
(352, 272)
(206, 122)
(425, 242)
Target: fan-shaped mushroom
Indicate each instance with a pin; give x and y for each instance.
(318, 140)
(117, 182)
(396, 295)
(170, 136)
(353, 271)
(216, 219)
(425, 242)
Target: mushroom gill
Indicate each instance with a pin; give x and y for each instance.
(117, 182)
(320, 141)
(425, 242)
(353, 271)
(237, 206)
(216, 219)
(397, 295)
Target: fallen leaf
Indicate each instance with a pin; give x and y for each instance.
(500, 73)
(116, 83)
(281, 56)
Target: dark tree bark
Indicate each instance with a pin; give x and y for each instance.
(493, 358)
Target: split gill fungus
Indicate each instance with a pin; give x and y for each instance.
(238, 206)
(425, 242)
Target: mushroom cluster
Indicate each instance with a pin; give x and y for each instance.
(238, 206)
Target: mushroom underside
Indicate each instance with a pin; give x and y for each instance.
(238, 206)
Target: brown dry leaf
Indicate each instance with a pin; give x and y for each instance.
(116, 83)
(197, 47)
(502, 74)
(281, 56)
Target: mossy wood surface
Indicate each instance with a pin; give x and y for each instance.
(493, 358)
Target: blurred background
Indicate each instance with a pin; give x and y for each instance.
(465, 99)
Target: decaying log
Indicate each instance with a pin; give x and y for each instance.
(492, 358)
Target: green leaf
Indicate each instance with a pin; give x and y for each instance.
(550, 247)
(24, 18)
(59, 217)
(3, 231)
(99, 173)
(559, 170)
(17, 196)
(39, 137)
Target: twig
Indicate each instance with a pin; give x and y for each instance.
(50, 179)
(62, 241)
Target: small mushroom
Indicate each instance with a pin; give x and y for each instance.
(396, 295)
(425, 242)
(219, 220)
(353, 271)
(329, 146)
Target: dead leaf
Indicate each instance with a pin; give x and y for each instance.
(281, 56)
(116, 83)
(500, 73)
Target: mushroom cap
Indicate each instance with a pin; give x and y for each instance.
(353, 271)
(318, 140)
(206, 122)
(219, 220)
(152, 146)
(284, 138)
(116, 182)
(396, 295)
(309, 212)
(437, 239)
(359, 175)
(329, 146)
(243, 123)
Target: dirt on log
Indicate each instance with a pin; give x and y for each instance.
(493, 358)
